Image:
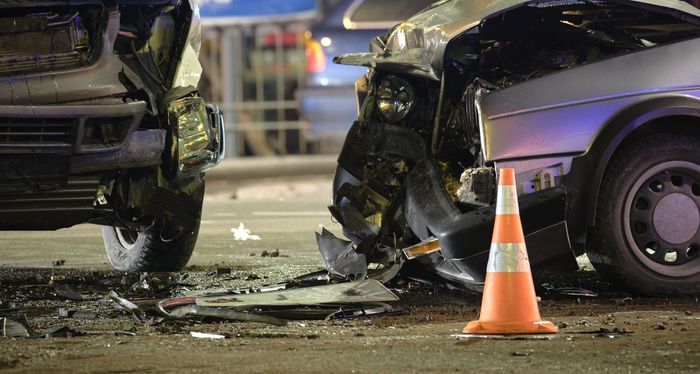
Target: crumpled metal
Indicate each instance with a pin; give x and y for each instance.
(341, 259)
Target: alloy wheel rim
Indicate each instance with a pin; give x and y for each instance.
(127, 238)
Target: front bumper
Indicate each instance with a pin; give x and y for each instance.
(429, 212)
(55, 158)
(67, 129)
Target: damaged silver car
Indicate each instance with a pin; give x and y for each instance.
(594, 103)
(101, 122)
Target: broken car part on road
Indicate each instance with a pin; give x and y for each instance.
(595, 105)
(269, 304)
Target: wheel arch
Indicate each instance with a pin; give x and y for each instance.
(672, 114)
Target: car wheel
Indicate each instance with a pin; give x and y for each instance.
(647, 227)
(160, 247)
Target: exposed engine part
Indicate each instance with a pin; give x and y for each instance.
(47, 40)
(477, 186)
(537, 179)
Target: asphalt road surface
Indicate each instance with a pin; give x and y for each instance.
(613, 332)
(284, 213)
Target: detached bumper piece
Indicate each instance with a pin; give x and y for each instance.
(198, 135)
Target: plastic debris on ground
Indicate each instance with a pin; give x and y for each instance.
(242, 234)
(10, 328)
(154, 299)
(204, 335)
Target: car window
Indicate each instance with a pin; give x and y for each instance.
(382, 13)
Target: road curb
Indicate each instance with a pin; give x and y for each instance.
(273, 167)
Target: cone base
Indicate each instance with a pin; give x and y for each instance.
(501, 328)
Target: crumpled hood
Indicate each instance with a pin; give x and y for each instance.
(417, 46)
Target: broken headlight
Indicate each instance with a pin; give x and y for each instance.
(198, 134)
(394, 98)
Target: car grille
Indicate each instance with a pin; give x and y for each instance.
(48, 206)
(19, 135)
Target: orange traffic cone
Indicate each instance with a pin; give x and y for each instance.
(509, 304)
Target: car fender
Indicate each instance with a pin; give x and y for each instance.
(589, 168)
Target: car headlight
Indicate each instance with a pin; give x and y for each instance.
(198, 134)
(394, 98)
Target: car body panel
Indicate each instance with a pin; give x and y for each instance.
(418, 45)
(583, 105)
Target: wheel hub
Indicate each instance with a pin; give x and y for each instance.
(662, 218)
(676, 218)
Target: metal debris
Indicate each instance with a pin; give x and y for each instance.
(228, 314)
(476, 186)
(340, 257)
(155, 282)
(506, 337)
(574, 292)
(241, 233)
(346, 313)
(135, 310)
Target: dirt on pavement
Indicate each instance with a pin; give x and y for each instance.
(612, 332)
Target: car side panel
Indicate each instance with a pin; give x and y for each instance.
(562, 113)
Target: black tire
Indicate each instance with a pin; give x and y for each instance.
(147, 250)
(647, 228)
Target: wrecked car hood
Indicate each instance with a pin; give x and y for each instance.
(417, 45)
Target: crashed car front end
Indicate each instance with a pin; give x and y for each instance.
(89, 92)
(466, 87)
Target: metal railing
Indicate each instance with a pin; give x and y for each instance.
(252, 73)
